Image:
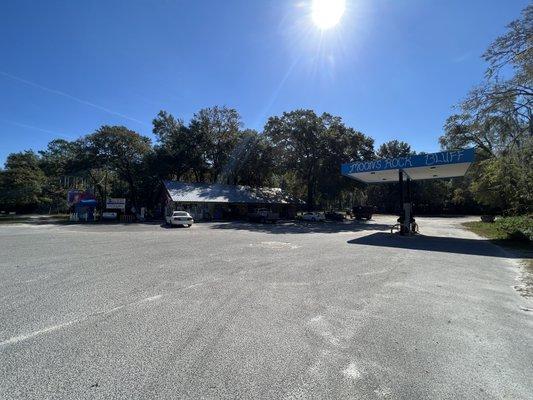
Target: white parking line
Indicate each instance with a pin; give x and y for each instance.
(194, 285)
(26, 336)
(150, 298)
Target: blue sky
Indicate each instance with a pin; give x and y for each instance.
(392, 69)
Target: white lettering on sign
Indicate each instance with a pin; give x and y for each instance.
(365, 166)
(444, 158)
(376, 165)
(415, 161)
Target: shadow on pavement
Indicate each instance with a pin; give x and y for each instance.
(302, 227)
(433, 243)
(166, 226)
(35, 221)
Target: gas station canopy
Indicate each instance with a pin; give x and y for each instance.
(446, 164)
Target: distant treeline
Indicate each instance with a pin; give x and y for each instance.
(301, 152)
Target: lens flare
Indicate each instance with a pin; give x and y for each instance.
(327, 13)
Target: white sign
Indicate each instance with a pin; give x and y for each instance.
(115, 204)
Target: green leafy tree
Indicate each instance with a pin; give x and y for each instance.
(178, 153)
(216, 132)
(314, 147)
(342, 144)
(394, 149)
(251, 162)
(298, 139)
(55, 161)
(496, 117)
(116, 150)
(506, 182)
(21, 183)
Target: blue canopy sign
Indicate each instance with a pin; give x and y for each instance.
(445, 164)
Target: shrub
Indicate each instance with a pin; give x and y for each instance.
(517, 228)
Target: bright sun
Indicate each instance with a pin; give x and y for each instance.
(327, 13)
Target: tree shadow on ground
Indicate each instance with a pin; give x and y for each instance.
(45, 220)
(301, 227)
(434, 243)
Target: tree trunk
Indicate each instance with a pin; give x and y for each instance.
(310, 195)
(99, 190)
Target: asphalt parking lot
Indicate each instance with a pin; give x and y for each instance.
(237, 310)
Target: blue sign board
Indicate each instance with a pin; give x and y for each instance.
(420, 160)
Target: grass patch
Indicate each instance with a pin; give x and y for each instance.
(515, 234)
(514, 229)
(485, 229)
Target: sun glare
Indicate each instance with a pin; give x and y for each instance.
(327, 13)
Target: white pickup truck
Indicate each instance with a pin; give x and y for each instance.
(178, 218)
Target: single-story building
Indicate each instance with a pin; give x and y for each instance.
(205, 201)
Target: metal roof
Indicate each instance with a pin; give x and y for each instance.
(185, 192)
(446, 164)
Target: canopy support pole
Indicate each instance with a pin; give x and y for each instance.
(406, 208)
(412, 223)
(400, 180)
